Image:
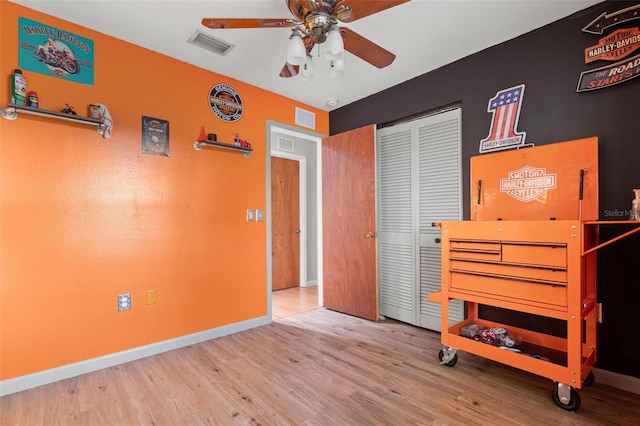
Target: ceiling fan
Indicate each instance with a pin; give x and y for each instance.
(314, 21)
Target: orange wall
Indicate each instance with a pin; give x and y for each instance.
(83, 218)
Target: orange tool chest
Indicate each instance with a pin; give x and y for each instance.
(530, 247)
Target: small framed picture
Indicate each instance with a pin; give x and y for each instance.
(155, 136)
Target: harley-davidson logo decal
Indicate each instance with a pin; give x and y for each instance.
(505, 107)
(225, 103)
(528, 183)
(618, 45)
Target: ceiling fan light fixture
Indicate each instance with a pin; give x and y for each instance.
(338, 68)
(308, 68)
(296, 52)
(334, 44)
(308, 77)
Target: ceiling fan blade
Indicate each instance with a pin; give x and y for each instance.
(289, 70)
(365, 49)
(224, 23)
(362, 8)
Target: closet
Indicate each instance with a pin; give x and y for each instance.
(419, 183)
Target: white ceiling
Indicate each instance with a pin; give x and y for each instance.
(424, 35)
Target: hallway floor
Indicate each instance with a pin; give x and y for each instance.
(295, 300)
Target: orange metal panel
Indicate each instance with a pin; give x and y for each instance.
(507, 302)
(530, 254)
(534, 275)
(536, 183)
(522, 291)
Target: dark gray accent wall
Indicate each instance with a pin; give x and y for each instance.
(548, 61)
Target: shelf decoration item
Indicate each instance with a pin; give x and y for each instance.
(203, 135)
(18, 88)
(101, 112)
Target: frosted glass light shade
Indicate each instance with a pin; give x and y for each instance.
(338, 68)
(296, 52)
(308, 68)
(334, 45)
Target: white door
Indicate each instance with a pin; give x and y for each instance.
(419, 181)
(440, 194)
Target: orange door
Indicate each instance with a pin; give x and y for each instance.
(285, 240)
(348, 217)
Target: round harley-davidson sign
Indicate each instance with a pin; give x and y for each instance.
(225, 103)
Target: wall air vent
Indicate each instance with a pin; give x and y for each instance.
(305, 118)
(210, 43)
(284, 144)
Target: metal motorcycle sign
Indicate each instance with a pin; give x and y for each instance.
(55, 52)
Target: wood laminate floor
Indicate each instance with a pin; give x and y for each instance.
(292, 301)
(315, 368)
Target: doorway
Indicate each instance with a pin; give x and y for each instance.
(287, 208)
(288, 261)
(304, 149)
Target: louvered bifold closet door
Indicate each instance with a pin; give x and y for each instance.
(440, 194)
(396, 241)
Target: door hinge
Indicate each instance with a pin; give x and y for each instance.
(599, 312)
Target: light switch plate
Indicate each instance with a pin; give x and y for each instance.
(260, 215)
(124, 302)
(250, 215)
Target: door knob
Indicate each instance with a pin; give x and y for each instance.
(297, 231)
(437, 240)
(370, 235)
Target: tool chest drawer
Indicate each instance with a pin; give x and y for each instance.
(541, 275)
(526, 271)
(510, 287)
(544, 254)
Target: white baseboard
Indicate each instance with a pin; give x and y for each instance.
(310, 284)
(40, 378)
(616, 380)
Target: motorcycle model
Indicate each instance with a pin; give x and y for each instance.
(58, 58)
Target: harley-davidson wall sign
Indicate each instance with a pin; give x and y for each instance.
(614, 47)
(225, 103)
(503, 133)
(54, 52)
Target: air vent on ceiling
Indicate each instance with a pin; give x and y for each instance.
(305, 118)
(285, 144)
(210, 43)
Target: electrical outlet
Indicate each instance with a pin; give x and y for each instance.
(250, 215)
(124, 302)
(151, 297)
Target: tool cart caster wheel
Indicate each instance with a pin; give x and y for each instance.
(451, 357)
(572, 404)
(588, 381)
